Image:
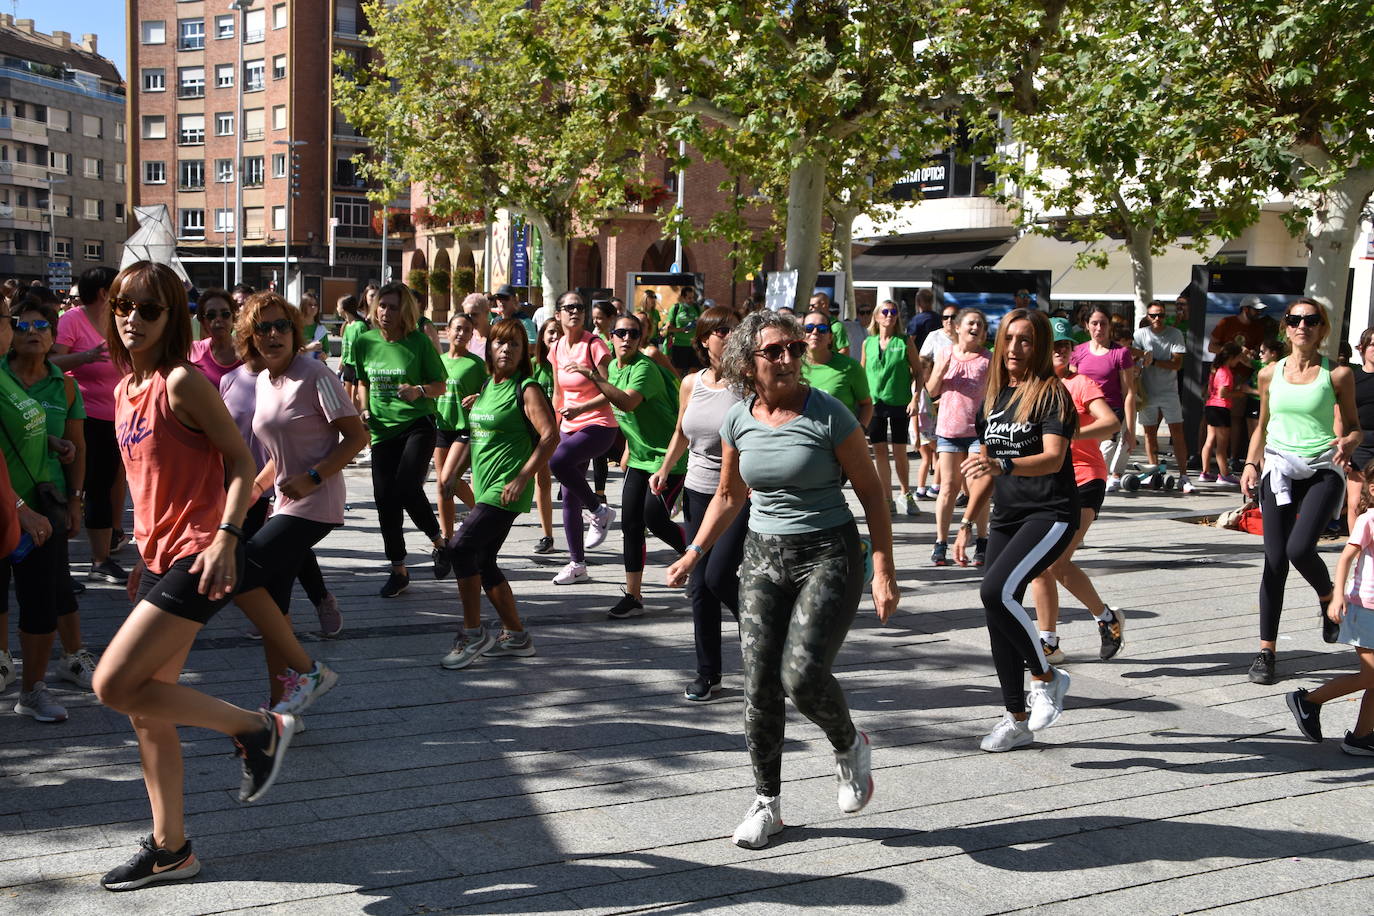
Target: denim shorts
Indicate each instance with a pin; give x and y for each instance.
(968, 444)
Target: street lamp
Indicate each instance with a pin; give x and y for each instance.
(52, 217)
(238, 6)
(293, 175)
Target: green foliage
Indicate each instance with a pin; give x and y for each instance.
(418, 281)
(439, 282)
(464, 282)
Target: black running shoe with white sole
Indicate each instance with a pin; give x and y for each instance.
(263, 752)
(702, 689)
(1306, 714)
(628, 606)
(395, 584)
(151, 865)
(1360, 747)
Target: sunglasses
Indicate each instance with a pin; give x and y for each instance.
(1294, 321)
(626, 333)
(39, 324)
(148, 311)
(280, 325)
(816, 328)
(774, 352)
(572, 309)
(503, 298)
(1154, 314)
(947, 317)
(888, 312)
(212, 314)
(721, 332)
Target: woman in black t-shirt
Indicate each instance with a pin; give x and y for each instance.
(1025, 424)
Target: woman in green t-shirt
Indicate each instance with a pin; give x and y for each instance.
(892, 369)
(466, 372)
(399, 376)
(543, 480)
(353, 324)
(645, 400)
(680, 330)
(316, 334)
(834, 373)
(513, 434)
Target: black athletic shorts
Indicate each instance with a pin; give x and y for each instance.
(1218, 416)
(889, 424)
(175, 591)
(1091, 496)
(446, 438)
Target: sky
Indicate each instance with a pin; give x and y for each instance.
(103, 17)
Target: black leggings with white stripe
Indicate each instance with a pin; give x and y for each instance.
(1016, 555)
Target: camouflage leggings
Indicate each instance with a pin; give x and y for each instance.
(798, 597)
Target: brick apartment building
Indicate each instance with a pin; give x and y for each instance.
(61, 133)
(206, 78)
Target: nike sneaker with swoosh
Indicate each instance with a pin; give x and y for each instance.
(263, 752)
(1306, 714)
(151, 865)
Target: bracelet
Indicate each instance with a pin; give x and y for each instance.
(965, 523)
(235, 530)
(697, 547)
(1251, 464)
(315, 476)
(19, 502)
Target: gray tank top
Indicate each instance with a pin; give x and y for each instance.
(701, 422)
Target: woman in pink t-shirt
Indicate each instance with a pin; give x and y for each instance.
(216, 355)
(1112, 367)
(587, 426)
(959, 380)
(1223, 391)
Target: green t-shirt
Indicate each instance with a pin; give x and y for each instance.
(842, 378)
(888, 371)
(25, 442)
(385, 366)
(350, 334)
(51, 392)
(684, 317)
(543, 374)
(839, 336)
(649, 426)
(502, 441)
(465, 376)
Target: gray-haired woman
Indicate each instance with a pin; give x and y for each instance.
(803, 572)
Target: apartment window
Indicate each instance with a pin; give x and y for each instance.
(154, 32)
(224, 124)
(224, 170)
(224, 27)
(253, 124)
(119, 130)
(119, 212)
(191, 222)
(253, 75)
(59, 119)
(252, 223)
(91, 167)
(94, 251)
(154, 173)
(279, 16)
(62, 248)
(91, 126)
(346, 174)
(155, 80)
(279, 117)
(190, 82)
(279, 165)
(224, 221)
(191, 34)
(61, 163)
(62, 205)
(119, 173)
(254, 26)
(354, 215)
(191, 129)
(278, 219)
(191, 174)
(279, 67)
(224, 76)
(346, 17)
(154, 127)
(92, 209)
(252, 171)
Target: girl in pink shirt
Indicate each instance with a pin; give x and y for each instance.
(1222, 392)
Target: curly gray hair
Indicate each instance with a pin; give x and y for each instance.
(737, 362)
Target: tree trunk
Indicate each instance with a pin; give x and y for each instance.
(1138, 239)
(1332, 231)
(805, 204)
(844, 248)
(554, 272)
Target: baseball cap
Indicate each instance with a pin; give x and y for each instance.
(505, 289)
(1254, 302)
(1062, 329)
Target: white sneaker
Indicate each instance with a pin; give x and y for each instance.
(1047, 700)
(79, 668)
(853, 768)
(602, 519)
(363, 459)
(573, 572)
(7, 672)
(1113, 484)
(1007, 735)
(39, 704)
(761, 821)
(1185, 484)
(304, 689)
(467, 646)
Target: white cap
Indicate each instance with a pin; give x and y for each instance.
(1254, 302)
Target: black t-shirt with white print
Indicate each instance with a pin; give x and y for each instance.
(1016, 499)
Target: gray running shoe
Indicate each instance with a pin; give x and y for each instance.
(39, 705)
(468, 646)
(508, 643)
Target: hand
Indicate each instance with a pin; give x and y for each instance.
(1249, 481)
(885, 594)
(135, 577)
(680, 571)
(73, 516)
(584, 370)
(410, 393)
(217, 567)
(37, 526)
(980, 465)
(657, 481)
(1147, 359)
(1335, 609)
(1343, 452)
(515, 489)
(298, 486)
(961, 555)
(569, 412)
(469, 401)
(913, 408)
(97, 354)
(64, 449)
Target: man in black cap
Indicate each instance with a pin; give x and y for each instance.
(508, 306)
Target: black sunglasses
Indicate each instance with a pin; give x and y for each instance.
(721, 332)
(280, 325)
(949, 317)
(148, 311)
(774, 351)
(212, 314)
(888, 312)
(572, 308)
(1154, 314)
(816, 328)
(626, 333)
(1294, 321)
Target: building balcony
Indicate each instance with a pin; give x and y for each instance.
(22, 218)
(191, 92)
(344, 133)
(255, 134)
(23, 129)
(23, 173)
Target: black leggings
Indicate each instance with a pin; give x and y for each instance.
(477, 543)
(714, 581)
(641, 508)
(400, 466)
(280, 552)
(1016, 555)
(42, 586)
(1290, 537)
(309, 575)
(102, 468)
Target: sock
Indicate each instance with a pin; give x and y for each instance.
(476, 631)
(1106, 616)
(1050, 637)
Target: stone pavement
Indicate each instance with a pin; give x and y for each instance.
(581, 780)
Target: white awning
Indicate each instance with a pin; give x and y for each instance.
(1173, 270)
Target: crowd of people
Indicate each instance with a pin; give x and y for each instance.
(220, 419)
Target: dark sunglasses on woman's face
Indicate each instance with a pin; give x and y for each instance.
(280, 325)
(774, 351)
(721, 332)
(38, 324)
(1294, 321)
(888, 312)
(212, 314)
(148, 311)
(626, 333)
(572, 308)
(816, 328)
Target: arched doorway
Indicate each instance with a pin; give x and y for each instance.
(659, 257)
(440, 286)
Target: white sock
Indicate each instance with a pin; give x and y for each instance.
(1051, 637)
(1106, 616)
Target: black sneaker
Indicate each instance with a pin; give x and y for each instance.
(118, 540)
(78, 588)
(628, 606)
(961, 501)
(1331, 630)
(395, 584)
(1113, 635)
(443, 562)
(702, 689)
(940, 555)
(544, 545)
(1360, 747)
(1262, 668)
(108, 571)
(1307, 714)
(263, 752)
(151, 865)
(980, 551)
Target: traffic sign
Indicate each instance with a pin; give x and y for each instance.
(59, 274)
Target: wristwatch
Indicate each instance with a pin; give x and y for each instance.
(1006, 465)
(315, 476)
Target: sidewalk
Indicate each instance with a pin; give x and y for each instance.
(580, 780)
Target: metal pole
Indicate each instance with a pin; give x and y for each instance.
(224, 238)
(238, 7)
(681, 184)
(385, 279)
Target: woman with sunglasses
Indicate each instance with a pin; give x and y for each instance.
(1025, 469)
(646, 407)
(399, 377)
(542, 372)
(894, 374)
(834, 373)
(177, 438)
(790, 445)
(216, 354)
(1296, 468)
(704, 399)
(959, 381)
(1111, 365)
(465, 372)
(588, 428)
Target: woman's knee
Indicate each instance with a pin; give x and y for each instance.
(114, 689)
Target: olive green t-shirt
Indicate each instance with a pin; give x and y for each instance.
(502, 441)
(842, 378)
(649, 426)
(466, 374)
(385, 366)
